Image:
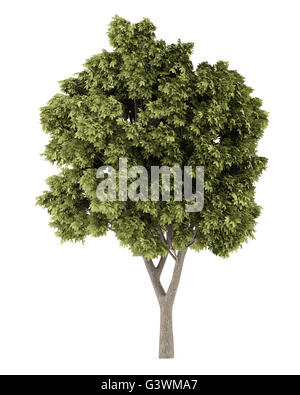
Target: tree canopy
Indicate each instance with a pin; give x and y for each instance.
(145, 101)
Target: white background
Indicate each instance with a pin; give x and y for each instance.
(90, 308)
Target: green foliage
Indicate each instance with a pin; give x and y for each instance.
(145, 101)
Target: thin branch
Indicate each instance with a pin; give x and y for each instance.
(194, 237)
(161, 235)
(173, 255)
(135, 111)
(167, 242)
(170, 233)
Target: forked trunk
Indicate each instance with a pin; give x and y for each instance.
(165, 300)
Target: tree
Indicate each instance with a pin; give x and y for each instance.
(144, 101)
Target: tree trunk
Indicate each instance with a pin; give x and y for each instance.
(166, 341)
(165, 300)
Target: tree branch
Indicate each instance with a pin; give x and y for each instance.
(171, 249)
(170, 233)
(161, 235)
(173, 255)
(171, 293)
(167, 241)
(194, 237)
(161, 265)
(158, 288)
(155, 273)
(135, 110)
